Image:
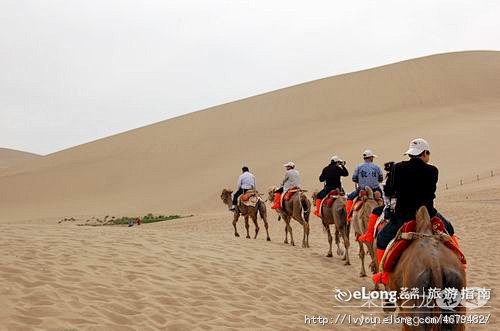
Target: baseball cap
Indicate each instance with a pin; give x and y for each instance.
(417, 146)
(335, 158)
(289, 164)
(368, 153)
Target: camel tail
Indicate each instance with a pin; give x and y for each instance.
(306, 207)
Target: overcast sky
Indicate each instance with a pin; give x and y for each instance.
(75, 71)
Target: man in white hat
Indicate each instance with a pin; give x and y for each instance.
(331, 177)
(413, 183)
(292, 180)
(366, 174)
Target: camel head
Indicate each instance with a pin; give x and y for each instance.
(271, 192)
(369, 192)
(226, 196)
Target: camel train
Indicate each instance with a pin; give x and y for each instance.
(423, 253)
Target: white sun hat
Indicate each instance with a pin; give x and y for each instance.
(335, 158)
(417, 146)
(289, 164)
(368, 153)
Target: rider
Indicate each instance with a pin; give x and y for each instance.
(366, 174)
(385, 209)
(413, 183)
(246, 182)
(292, 180)
(331, 176)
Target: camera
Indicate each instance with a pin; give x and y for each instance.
(388, 166)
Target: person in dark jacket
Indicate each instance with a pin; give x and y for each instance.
(330, 175)
(413, 184)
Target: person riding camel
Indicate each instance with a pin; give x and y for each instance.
(413, 183)
(384, 209)
(246, 182)
(366, 174)
(292, 180)
(331, 177)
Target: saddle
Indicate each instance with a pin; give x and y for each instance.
(250, 198)
(290, 193)
(329, 199)
(407, 234)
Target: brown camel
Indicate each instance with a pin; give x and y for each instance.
(247, 212)
(336, 215)
(360, 223)
(298, 208)
(427, 263)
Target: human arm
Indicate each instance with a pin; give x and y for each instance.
(238, 185)
(355, 175)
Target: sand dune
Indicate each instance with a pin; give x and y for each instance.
(181, 164)
(193, 274)
(11, 157)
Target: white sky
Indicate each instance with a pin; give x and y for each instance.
(79, 70)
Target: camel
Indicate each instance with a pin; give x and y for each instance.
(298, 208)
(427, 263)
(336, 215)
(247, 212)
(360, 223)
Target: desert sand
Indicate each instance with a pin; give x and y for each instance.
(10, 157)
(192, 273)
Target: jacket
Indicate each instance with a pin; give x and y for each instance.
(413, 183)
(331, 175)
(292, 179)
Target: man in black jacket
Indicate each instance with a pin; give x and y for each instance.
(331, 177)
(413, 183)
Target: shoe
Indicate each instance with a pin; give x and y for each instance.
(232, 208)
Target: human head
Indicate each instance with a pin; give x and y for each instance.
(368, 155)
(419, 148)
(289, 165)
(245, 169)
(336, 159)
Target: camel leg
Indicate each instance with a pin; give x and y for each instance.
(373, 264)
(345, 238)
(266, 225)
(330, 240)
(307, 233)
(235, 220)
(362, 273)
(337, 242)
(247, 225)
(304, 230)
(254, 219)
(286, 231)
(289, 226)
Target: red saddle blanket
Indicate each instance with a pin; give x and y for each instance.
(330, 198)
(394, 252)
(290, 193)
(245, 197)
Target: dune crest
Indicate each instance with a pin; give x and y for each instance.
(180, 165)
